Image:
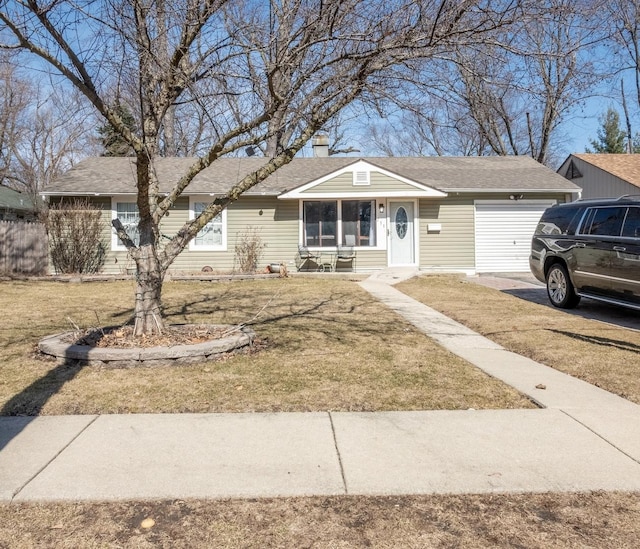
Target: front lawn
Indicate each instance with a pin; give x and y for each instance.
(602, 354)
(326, 345)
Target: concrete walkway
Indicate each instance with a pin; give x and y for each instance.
(583, 438)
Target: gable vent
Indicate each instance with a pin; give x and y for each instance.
(573, 172)
(361, 178)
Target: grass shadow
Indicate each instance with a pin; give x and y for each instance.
(588, 309)
(322, 315)
(29, 402)
(597, 340)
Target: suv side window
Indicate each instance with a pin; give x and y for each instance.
(631, 227)
(604, 221)
(559, 220)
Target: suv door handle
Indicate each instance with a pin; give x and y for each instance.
(580, 245)
(619, 249)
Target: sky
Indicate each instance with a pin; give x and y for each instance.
(582, 127)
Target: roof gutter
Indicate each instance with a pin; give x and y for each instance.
(511, 190)
(118, 193)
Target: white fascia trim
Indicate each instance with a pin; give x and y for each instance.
(510, 191)
(361, 165)
(539, 201)
(84, 193)
(363, 196)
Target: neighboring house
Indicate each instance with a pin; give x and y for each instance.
(15, 205)
(603, 175)
(469, 214)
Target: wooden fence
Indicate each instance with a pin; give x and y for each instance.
(24, 248)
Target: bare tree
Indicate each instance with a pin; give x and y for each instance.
(266, 73)
(561, 51)
(14, 94)
(623, 17)
(57, 132)
(42, 133)
(510, 94)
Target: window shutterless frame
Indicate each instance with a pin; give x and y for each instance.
(125, 209)
(213, 236)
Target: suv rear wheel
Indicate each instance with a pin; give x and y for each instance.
(560, 289)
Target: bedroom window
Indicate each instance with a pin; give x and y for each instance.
(213, 235)
(127, 213)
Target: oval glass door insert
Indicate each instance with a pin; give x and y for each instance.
(401, 222)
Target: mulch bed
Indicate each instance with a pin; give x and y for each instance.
(122, 336)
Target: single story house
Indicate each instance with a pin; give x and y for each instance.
(603, 175)
(468, 214)
(15, 206)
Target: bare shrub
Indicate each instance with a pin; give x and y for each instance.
(75, 237)
(249, 250)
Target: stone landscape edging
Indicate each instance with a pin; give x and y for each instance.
(58, 346)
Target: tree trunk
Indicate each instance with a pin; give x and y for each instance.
(148, 309)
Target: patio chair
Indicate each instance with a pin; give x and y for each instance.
(305, 258)
(346, 254)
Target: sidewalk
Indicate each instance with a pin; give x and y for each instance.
(583, 439)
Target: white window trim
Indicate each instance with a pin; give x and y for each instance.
(193, 246)
(116, 245)
(381, 223)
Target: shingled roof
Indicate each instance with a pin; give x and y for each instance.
(623, 166)
(112, 176)
(14, 200)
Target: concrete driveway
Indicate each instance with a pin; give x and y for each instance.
(525, 286)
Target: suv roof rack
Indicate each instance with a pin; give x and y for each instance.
(635, 197)
(582, 200)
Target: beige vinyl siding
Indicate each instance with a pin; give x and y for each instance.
(370, 260)
(379, 183)
(277, 227)
(454, 246)
(114, 261)
(340, 183)
(118, 261)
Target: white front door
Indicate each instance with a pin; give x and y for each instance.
(401, 233)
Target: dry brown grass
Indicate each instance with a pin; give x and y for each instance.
(603, 354)
(595, 520)
(330, 346)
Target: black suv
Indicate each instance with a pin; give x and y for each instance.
(589, 248)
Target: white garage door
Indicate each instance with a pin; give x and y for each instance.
(503, 235)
